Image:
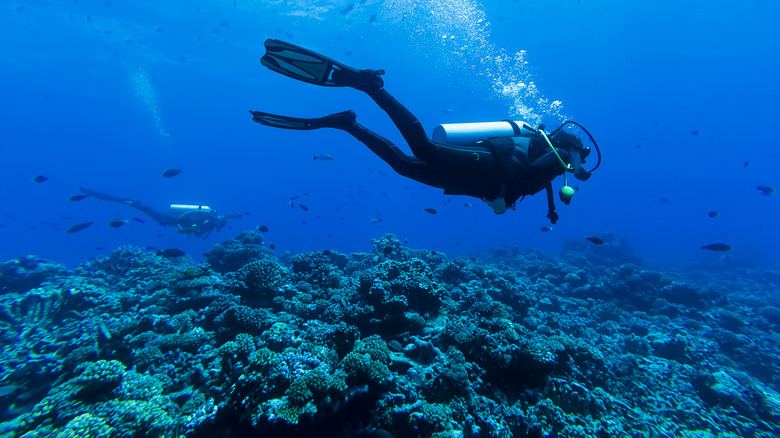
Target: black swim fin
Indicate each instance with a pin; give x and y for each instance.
(342, 120)
(307, 66)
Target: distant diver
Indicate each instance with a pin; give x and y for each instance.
(196, 220)
(498, 162)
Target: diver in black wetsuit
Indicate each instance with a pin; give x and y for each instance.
(500, 168)
(197, 220)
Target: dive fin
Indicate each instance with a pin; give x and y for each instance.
(342, 120)
(304, 65)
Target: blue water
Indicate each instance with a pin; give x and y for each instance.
(110, 94)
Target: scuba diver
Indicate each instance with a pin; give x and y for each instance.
(498, 162)
(197, 220)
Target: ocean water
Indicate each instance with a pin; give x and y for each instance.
(681, 97)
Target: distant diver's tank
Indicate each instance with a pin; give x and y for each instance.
(469, 134)
(180, 209)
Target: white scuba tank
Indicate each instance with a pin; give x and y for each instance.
(180, 209)
(468, 134)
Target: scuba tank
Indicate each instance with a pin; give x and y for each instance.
(469, 134)
(180, 209)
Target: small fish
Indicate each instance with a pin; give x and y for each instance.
(171, 253)
(346, 10)
(766, 190)
(467, 204)
(545, 229)
(718, 247)
(376, 220)
(695, 132)
(713, 214)
(40, 178)
(303, 207)
(262, 228)
(746, 164)
(372, 18)
(638, 146)
(77, 197)
(171, 173)
(186, 231)
(595, 240)
(116, 223)
(78, 227)
(139, 220)
(272, 246)
(323, 157)
(430, 210)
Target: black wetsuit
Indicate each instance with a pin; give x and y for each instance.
(487, 170)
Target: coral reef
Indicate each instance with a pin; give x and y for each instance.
(397, 342)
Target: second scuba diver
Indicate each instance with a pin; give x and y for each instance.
(196, 220)
(498, 162)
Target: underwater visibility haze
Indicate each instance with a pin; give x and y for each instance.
(169, 267)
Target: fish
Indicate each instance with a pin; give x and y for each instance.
(303, 207)
(664, 200)
(746, 164)
(40, 178)
(595, 240)
(262, 228)
(77, 197)
(372, 18)
(713, 214)
(78, 227)
(430, 210)
(376, 220)
(171, 173)
(323, 157)
(346, 10)
(116, 223)
(545, 229)
(766, 190)
(467, 204)
(139, 220)
(272, 246)
(695, 132)
(186, 231)
(171, 253)
(718, 247)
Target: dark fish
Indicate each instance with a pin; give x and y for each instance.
(545, 229)
(63, 216)
(77, 197)
(595, 240)
(171, 173)
(139, 220)
(171, 253)
(766, 190)
(116, 223)
(719, 247)
(78, 227)
(695, 132)
(40, 178)
(186, 231)
(713, 214)
(747, 163)
(272, 246)
(372, 18)
(430, 210)
(323, 157)
(346, 10)
(262, 228)
(303, 207)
